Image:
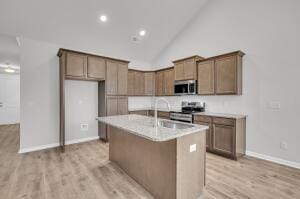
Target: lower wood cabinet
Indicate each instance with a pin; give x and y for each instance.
(142, 112)
(225, 136)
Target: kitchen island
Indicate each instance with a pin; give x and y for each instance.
(168, 160)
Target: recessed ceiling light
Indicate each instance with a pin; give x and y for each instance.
(142, 33)
(103, 18)
(9, 70)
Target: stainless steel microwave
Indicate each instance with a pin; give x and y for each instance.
(186, 87)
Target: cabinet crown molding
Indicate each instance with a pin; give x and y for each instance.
(62, 50)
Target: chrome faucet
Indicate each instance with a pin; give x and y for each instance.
(156, 102)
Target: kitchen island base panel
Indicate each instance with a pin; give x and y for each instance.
(168, 170)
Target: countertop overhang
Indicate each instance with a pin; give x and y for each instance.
(143, 126)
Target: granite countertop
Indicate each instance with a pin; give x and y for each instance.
(152, 109)
(144, 126)
(211, 114)
(223, 115)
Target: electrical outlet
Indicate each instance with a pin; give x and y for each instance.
(283, 145)
(84, 127)
(193, 147)
(274, 105)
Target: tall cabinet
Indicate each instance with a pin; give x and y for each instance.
(111, 75)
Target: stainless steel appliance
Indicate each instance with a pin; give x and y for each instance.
(187, 87)
(187, 110)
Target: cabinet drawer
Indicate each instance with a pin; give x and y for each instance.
(224, 121)
(201, 118)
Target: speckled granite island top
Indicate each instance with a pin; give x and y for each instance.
(144, 126)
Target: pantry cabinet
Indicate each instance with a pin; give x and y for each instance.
(116, 78)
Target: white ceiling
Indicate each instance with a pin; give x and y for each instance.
(75, 23)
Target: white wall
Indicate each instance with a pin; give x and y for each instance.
(10, 99)
(268, 32)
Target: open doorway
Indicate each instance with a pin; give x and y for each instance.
(9, 93)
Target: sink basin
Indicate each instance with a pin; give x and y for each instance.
(174, 125)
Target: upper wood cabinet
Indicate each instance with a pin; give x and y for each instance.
(75, 65)
(186, 68)
(169, 82)
(138, 83)
(165, 82)
(130, 82)
(84, 66)
(96, 68)
(206, 77)
(149, 83)
(159, 83)
(116, 78)
(228, 72)
(220, 75)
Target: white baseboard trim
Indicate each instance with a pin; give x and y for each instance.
(274, 159)
(82, 140)
(38, 148)
(48, 146)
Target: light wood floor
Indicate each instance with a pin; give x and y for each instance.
(85, 172)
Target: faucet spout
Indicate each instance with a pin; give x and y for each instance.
(156, 103)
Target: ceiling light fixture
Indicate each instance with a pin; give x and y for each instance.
(142, 33)
(103, 18)
(9, 70)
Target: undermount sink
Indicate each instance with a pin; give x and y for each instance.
(173, 125)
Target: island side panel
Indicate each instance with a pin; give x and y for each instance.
(191, 166)
(151, 164)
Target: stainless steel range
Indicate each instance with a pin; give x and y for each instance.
(187, 110)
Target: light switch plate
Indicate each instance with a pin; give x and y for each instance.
(193, 147)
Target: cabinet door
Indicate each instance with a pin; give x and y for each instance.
(208, 134)
(75, 65)
(190, 69)
(131, 83)
(179, 71)
(149, 83)
(226, 75)
(122, 78)
(122, 106)
(206, 79)
(96, 68)
(159, 82)
(112, 78)
(223, 139)
(111, 106)
(140, 83)
(169, 82)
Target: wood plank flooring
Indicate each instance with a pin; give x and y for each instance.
(84, 171)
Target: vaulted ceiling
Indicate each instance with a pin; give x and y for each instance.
(76, 23)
